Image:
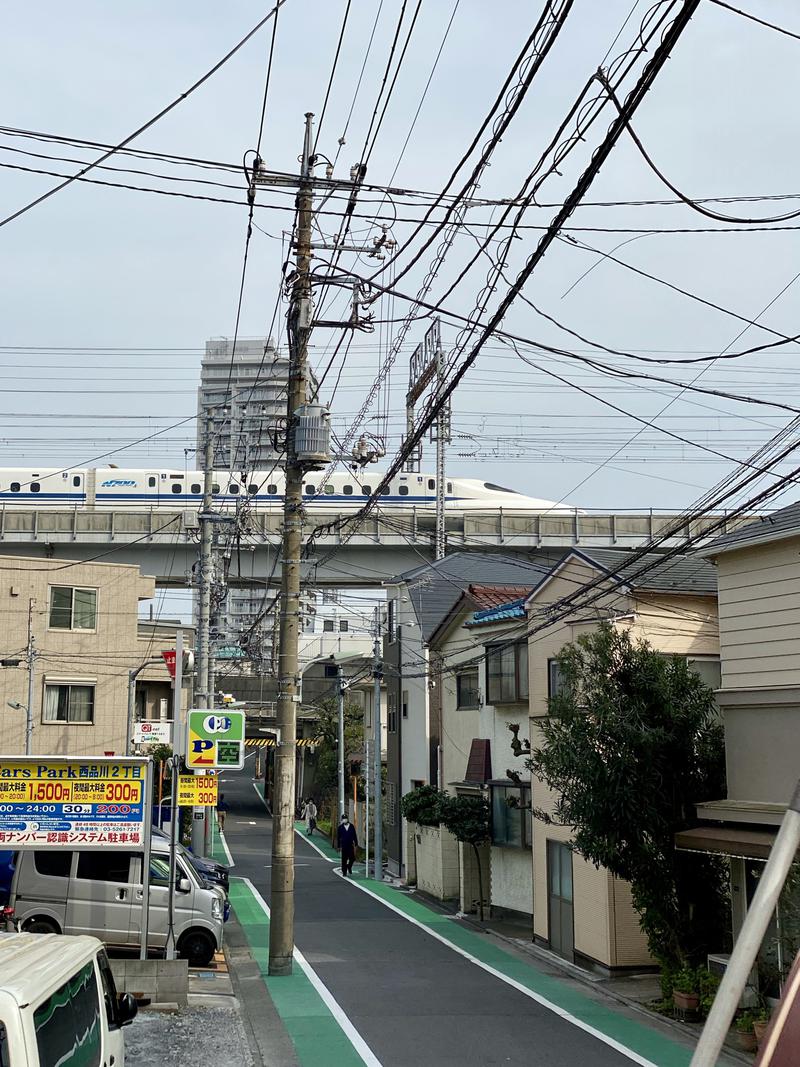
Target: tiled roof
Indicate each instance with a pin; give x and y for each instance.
(514, 609)
(775, 527)
(495, 596)
(680, 574)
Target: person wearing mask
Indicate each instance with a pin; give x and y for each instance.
(310, 816)
(347, 842)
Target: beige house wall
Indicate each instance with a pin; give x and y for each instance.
(606, 926)
(101, 657)
(759, 614)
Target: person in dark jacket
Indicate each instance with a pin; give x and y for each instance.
(347, 843)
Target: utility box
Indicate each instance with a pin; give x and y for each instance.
(312, 436)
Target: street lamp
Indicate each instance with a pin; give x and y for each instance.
(15, 704)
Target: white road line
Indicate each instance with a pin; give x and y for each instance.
(227, 851)
(549, 1004)
(350, 1032)
(316, 848)
(260, 796)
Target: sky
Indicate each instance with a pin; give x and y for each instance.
(107, 296)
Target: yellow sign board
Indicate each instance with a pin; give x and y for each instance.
(197, 790)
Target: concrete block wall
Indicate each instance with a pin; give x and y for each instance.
(468, 877)
(437, 863)
(161, 981)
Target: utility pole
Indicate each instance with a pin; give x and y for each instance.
(377, 815)
(203, 697)
(30, 656)
(341, 690)
(281, 927)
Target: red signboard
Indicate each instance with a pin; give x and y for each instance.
(169, 658)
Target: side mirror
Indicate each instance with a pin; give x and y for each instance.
(184, 885)
(127, 1008)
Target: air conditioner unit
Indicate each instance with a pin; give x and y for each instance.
(717, 963)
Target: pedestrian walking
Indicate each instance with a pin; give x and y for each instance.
(347, 842)
(222, 810)
(310, 816)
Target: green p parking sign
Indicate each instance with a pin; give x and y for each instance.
(215, 740)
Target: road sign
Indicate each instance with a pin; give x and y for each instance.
(68, 802)
(197, 790)
(214, 739)
(152, 732)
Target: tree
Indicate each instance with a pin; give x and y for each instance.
(632, 743)
(423, 805)
(467, 819)
(326, 776)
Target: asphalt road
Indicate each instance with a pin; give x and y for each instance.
(413, 999)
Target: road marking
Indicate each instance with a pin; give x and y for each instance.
(226, 850)
(545, 1003)
(316, 848)
(355, 1038)
(260, 795)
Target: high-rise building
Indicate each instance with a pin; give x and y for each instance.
(246, 397)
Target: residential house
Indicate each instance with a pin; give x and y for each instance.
(80, 619)
(480, 703)
(418, 602)
(758, 574)
(579, 911)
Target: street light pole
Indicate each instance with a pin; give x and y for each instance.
(31, 658)
(341, 690)
(377, 815)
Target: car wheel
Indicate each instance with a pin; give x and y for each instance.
(40, 926)
(197, 947)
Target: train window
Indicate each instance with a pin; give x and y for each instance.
(385, 492)
(272, 489)
(497, 488)
(76, 480)
(329, 490)
(196, 487)
(252, 489)
(151, 482)
(311, 489)
(348, 490)
(449, 487)
(177, 487)
(366, 490)
(14, 487)
(431, 483)
(403, 490)
(215, 487)
(35, 487)
(233, 488)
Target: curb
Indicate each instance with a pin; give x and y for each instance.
(571, 971)
(267, 1036)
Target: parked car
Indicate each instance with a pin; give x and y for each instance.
(58, 1002)
(100, 893)
(214, 872)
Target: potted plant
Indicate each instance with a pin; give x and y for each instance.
(745, 1034)
(760, 1023)
(686, 990)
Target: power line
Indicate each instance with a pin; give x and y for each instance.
(147, 125)
(753, 18)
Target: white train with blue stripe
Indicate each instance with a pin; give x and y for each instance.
(112, 487)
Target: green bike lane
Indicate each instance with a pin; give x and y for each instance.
(383, 979)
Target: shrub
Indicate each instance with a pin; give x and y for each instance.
(423, 805)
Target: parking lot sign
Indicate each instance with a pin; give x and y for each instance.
(214, 740)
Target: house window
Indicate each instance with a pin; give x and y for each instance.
(467, 692)
(344, 626)
(511, 816)
(708, 669)
(507, 673)
(391, 635)
(327, 626)
(555, 679)
(405, 703)
(72, 609)
(391, 713)
(68, 703)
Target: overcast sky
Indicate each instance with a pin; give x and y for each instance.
(104, 270)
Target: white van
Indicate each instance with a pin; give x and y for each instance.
(100, 893)
(59, 1004)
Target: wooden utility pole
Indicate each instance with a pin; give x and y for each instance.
(281, 927)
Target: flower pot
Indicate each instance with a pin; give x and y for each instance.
(746, 1040)
(686, 1001)
(760, 1028)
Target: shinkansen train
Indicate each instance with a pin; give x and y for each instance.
(112, 487)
